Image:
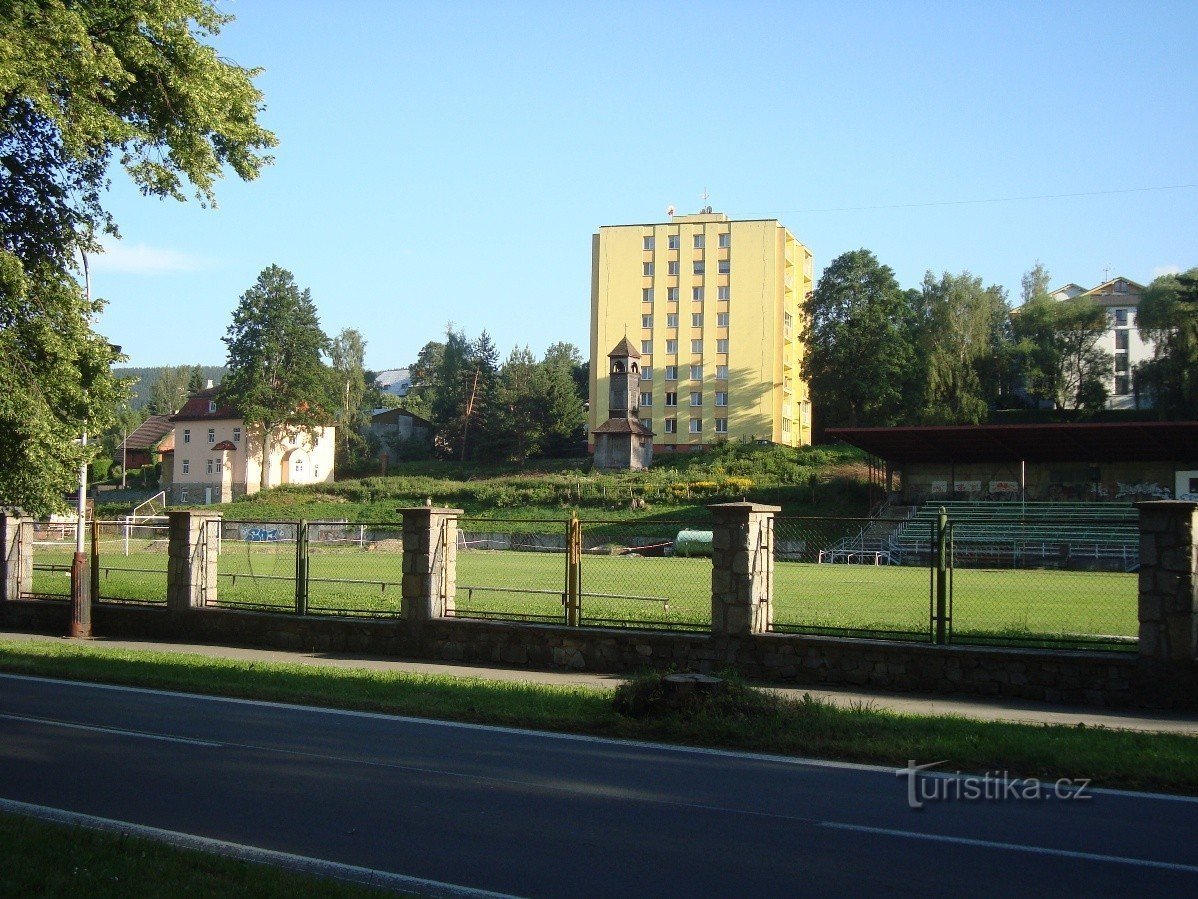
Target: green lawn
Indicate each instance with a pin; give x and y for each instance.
(623, 589)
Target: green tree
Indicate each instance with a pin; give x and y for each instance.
(563, 405)
(196, 380)
(1057, 344)
(860, 336)
(276, 378)
(80, 83)
(347, 352)
(1168, 317)
(962, 342)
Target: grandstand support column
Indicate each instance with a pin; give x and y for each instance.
(742, 568)
(1169, 580)
(192, 550)
(16, 558)
(430, 551)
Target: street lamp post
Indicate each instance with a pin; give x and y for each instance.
(81, 607)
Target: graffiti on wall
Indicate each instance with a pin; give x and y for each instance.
(1142, 491)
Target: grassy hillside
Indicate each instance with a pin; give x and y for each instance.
(813, 480)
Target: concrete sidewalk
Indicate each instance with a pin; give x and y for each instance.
(913, 704)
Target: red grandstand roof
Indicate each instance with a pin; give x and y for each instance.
(1148, 441)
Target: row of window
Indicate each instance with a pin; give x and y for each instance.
(215, 466)
(721, 320)
(212, 435)
(695, 427)
(700, 240)
(723, 266)
(696, 373)
(721, 398)
(723, 292)
(721, 346)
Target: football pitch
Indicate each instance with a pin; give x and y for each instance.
(1022, 605)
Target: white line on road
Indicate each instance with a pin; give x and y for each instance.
(142, 734)
(304, 864)
(1013, 847)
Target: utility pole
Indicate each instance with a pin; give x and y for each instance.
(81, 609)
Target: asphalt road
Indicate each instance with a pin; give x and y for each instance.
(543, 815)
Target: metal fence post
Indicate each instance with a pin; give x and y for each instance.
(574, 571)
(301, 567)
(95, 561)
(941, 618)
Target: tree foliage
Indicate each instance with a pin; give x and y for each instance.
(1168, 316)
(83, 84)
(1057, 344)
(347, 354)
(276, 378)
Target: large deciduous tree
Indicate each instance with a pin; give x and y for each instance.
(859, 331)
(82, 84)
(1168, 317)
(276, 378)
(347, 353)
(1057, 344)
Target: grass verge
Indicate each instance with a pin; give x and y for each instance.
(42, 859)
(768, 723)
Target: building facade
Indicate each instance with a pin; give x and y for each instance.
(713, 306)
(215, 460)
(623, 442)
(1120, 297)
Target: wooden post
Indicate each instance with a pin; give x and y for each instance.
(574, 571)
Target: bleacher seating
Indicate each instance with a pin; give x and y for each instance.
(1066, 534)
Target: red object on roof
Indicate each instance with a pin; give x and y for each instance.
(224, 445)
(199, 407)
(1146, 441)
(148, 435)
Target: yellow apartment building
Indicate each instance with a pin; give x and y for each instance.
(714, 306)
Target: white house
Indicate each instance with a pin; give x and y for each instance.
(395, 381)
(214, 460)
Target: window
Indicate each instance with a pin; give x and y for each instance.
(671, 398)
(696, 346)
(696, 398)
(237, 435)
(646, 321)
(721, 345)
(786, 426)
(672, 294)
(648, 241)
(671, 319)
(671, 426)
(698, 266)
(219, 466)
(183, 495)
(723, 266)
(1121, 363)
(721, 372)
(186, 466)
(211, 405)
(671, 372)
(721, 319)
(698, 241)
(721, 426)
(721, 397)
(726, 240)
(671, 346)
(696, 319)
(1122, 385)
(647, 373)
(672, 268)
(722, 292)
(316, 470)
(212, 435)
(209, 466)
(696, 426)
(647, 269)
(299, 465)
(646, 398)
(647, 424)
(646, 347)
(1120, 287)
(672, 241)
(696, 372)
(697, 294)
(1121, 318)
(1121, 340)
(187, 435)
(646, 294)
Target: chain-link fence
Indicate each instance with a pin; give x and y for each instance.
(354, 569)
(1068, 582)
(512, 575)
(840, 577)
(645, 574)
(132, 562)
(51, 545)
(256, 564)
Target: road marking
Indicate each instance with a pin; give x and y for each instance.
(1013, 847)
(119, 731)
(301, 863)
(788, 760)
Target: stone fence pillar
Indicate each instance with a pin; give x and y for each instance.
(742, 573)
(1169, 580)
(430, 551)
(16, 558)
(191, 559)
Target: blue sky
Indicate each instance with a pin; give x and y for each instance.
(448, 162)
